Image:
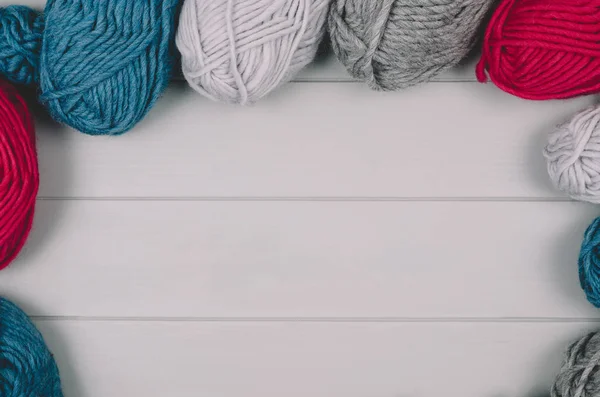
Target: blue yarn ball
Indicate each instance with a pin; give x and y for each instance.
(101, 65)
(589, 263)
(27, 368)
(20, 44)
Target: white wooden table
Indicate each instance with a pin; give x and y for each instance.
(329, 241)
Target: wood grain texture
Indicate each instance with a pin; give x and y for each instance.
(303, 259)
(328, 241)
(122, 358)
(316, 140)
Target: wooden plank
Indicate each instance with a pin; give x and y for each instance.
(303, 259)
(122, 358)
(441, 140)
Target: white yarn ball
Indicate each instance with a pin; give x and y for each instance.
(573, 156)
(238, 51)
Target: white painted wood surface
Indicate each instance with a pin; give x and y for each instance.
(316, 140)
(323, 259)
(329, 241)
(296, 359)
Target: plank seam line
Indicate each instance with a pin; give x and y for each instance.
(366, 320)
(313, 199)
(350, 81)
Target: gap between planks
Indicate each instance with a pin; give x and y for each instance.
(324, 320)
(321, 199)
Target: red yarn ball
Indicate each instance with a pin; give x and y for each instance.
(543, 49)
(19, 177)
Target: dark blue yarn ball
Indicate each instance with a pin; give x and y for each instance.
(589, 263)
(27, 368)
(101, 65)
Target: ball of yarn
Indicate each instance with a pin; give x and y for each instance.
(19, 173)
(579, 375)
(27, 368)
(238, 51)
(20, 44)
(395, 44)
(573, 156)
(101, 65)
(589, 263)
(540, 49)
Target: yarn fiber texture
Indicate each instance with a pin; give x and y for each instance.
(21, 32)
(573, 156)
(27, 368)
(239, 51)
(579, 376)
(101, 65)
(19, 177)
(540, 49)
(589, 263)
(395, 44)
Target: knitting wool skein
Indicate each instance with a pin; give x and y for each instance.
(395, 44)
(573, 156)
(540, 49)
(580, 372)
(101, 65)
(27, 368)
(589, 263)
(19, 177)
(238, 51)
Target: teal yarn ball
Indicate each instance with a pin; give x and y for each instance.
(20, 44)
(27, 368)
(589, 263)
(101, 65)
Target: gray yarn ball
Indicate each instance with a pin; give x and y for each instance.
(395, 44)
(579, 376)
